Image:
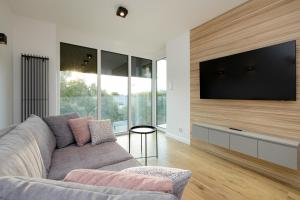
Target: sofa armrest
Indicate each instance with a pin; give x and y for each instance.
(24, 188)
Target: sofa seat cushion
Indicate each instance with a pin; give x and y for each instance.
(23, 188)
(121, 165)
(20, 155)
(86, 157)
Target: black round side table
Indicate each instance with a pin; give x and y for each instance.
(144, 130)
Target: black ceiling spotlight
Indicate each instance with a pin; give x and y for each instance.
(122, 12)
(3, 38)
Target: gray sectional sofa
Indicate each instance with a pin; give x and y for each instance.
(32, 168)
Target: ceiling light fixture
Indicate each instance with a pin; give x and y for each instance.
(3, 38)
(89, 56)
(122, 12)
(86, 62)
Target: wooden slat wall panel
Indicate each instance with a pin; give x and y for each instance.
(255, 24)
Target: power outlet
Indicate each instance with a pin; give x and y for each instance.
(180, 130)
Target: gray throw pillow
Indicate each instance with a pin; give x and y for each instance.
(60, 127)
(179, 177)
(101, 131)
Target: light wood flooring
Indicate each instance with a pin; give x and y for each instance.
(213, 178)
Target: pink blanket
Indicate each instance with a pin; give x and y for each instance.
(120, 180)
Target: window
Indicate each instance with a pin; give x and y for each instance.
(141, 91)
(161, 93)
(114, 90)
(78, 80)
(110, 99)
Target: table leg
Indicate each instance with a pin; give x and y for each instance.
(141, 145)
(145, 149)
(156, 146)
(129, 141)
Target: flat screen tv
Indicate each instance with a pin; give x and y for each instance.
(268, 73)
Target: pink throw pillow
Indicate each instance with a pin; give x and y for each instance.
(120, 180)
(80, 129)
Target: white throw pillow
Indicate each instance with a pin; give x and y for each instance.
(101, 131)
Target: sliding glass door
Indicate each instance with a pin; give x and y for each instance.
(114, 90)
(106, 94)
(141, 91)
(161, 93)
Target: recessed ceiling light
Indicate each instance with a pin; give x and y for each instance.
(89, 56)
(122, 12)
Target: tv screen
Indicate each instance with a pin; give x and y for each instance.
(263, 74)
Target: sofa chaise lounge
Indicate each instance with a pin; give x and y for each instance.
(32, 168)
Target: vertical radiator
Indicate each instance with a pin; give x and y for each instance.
(34, 86)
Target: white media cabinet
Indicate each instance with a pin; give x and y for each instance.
(278, 150)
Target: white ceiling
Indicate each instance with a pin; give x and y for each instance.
(149, 22)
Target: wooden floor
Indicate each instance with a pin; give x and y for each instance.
(213, 178)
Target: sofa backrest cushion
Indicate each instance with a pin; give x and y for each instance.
(60, 127)
(24, 188)
(43, 135)
(20, 155)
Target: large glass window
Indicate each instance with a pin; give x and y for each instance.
(78, 80)
(141, 91)
(114, 90)
(79, 91)
(161, 93)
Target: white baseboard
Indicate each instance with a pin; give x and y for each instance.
(178, 138)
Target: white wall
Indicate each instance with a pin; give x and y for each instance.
(6, 81)
(38, 38)
(159, 54)
(178, 92)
